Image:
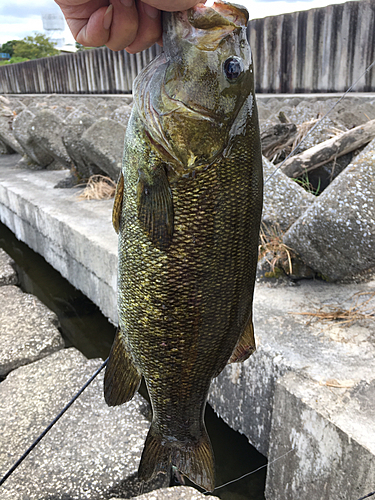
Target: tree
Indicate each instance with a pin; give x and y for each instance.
(8, 47)
(34, 47)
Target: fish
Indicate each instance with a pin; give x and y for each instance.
(187, 211)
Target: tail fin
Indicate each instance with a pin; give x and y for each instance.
(195, 459)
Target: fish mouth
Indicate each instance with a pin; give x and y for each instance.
(219, 15)
(203, 26)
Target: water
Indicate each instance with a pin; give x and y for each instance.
(84, 327)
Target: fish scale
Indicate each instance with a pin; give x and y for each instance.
(188, 239)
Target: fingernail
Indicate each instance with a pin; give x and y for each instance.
(107, 21)
(127, 3)
(151, 11)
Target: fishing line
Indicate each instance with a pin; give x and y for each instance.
(319, 121)
(252, 472)
(49, 427)
(367, 496)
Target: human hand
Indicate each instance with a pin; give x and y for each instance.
(131, 24)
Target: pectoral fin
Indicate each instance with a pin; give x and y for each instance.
(155, 207)
(117, 204)
(245, 346)
(121, 378)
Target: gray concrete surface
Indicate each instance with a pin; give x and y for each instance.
(104, 145)
(331, 432)
(244, 394)
(284, 200)
(288, 342)
(8, 275)
(28, 329)
(94, 450)
(336, 235)
(74, 236)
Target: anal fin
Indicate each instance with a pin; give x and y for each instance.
(245, 346)
(122, 378)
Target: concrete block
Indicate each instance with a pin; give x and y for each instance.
(8, 275)
(6, 132)
(122, 115)
(284, 200)
(243, 394)
(75, 236)
(90, 453)
(104, 143)
(46, 130)
(28, 329)
(331, 431)
(75, 125)
(5, 149)
(21, 126)
(336, 235)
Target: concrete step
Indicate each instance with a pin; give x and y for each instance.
(74, 236)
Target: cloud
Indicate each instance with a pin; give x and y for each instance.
(20, 18)
(24, 9)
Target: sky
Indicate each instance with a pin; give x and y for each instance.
(20, 18)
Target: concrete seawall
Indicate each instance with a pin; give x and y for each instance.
(308, 390)
(74, 236)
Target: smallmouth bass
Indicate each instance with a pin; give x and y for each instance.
(187, 209)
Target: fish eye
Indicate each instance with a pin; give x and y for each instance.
(233, 68)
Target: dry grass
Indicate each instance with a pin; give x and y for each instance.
(98, 187)
(339, 384)
(271, 242)
(303, 129)
(361, 310)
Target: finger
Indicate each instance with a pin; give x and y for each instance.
(91, 31)
(124, 25)
(86, 20)
(173, 5)
(149, 28)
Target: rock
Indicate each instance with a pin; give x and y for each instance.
(121, 115)
(46, 130)
(4, 101)
(336, 235)
(8, 275)
(89, 454)
(104, 143)
(175, 493)
(105, 108)
(75, 125)
(6, 133)
(5, 149)
(28, 329)
(21, 129)
(284, 200)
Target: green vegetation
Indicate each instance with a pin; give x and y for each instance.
(35, 47)
(31, 47)
(7, 47)
(13, 60)
(306, 184)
